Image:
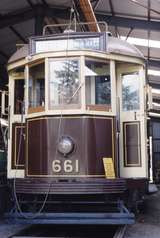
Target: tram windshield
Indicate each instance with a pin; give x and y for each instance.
(64, 82)
(69, 82)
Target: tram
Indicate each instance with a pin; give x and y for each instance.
(3, 148)
(77, 101)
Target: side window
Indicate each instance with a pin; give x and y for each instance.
(2, 145)
(0, 103)
(98, 85)
(18, 95)
(4, 103)
(37, 86)
(130, 91)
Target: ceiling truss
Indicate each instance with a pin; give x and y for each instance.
(47, 14)
(12, 28)
(119, 21)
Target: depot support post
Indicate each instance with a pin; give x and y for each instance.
(39, 20)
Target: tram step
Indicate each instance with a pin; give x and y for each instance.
(89, 186)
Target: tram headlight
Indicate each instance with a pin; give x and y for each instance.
(65, 145)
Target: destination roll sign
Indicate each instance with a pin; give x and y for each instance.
(72, 41)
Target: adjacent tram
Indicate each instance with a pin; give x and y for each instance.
(76, 101)
(3, 148)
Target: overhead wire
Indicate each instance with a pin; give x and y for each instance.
(14, 181)
(77, 15)
(56, 151)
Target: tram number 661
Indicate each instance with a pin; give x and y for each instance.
(67, 166)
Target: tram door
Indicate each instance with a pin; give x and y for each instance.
(132, 133)
(155, 132)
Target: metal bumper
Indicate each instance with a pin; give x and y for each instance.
(77, 218)
(121, 217)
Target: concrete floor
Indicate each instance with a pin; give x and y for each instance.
(7, 229)
(148, 224)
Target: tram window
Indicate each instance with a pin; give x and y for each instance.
(36, 86)
(6, 104)
(98, 85)
(0, 103)
(2, 145)
(64, 84)
(130, 92)
(18, 95)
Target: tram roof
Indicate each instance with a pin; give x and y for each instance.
(114, 46)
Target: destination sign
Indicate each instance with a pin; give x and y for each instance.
(41, 45)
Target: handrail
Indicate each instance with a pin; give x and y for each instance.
(68, 26)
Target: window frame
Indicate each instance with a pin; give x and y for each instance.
(17, 76)
(101, 107)
(70, 110)
(15, 80)
(70, 106)
(138, 91)
(36, 109)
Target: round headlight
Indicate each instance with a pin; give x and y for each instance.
(65, 145)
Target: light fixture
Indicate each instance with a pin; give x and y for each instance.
(153, 72)
(142, 42)
(65, 145)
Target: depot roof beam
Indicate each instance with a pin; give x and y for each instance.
(45, 4)
(129, 33)
(39, 21)
(39, 17)
(149, 32)
(113, 14)
(15, 18)
(18, 34)
(27, 14)
(79, 14)
(87, 9)
(154, 63)
(111, 7)
(4, 55)
(96, 4)
(129, 22)
(30, 3)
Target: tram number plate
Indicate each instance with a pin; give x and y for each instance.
(67, 166)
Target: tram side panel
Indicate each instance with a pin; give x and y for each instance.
(93, 139)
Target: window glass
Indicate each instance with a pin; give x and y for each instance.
(18, 95)
(130, 92)
(6, 104)
(98, 84)
(36, 86)
(2, 144)
(64, 86)
(0, 103)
